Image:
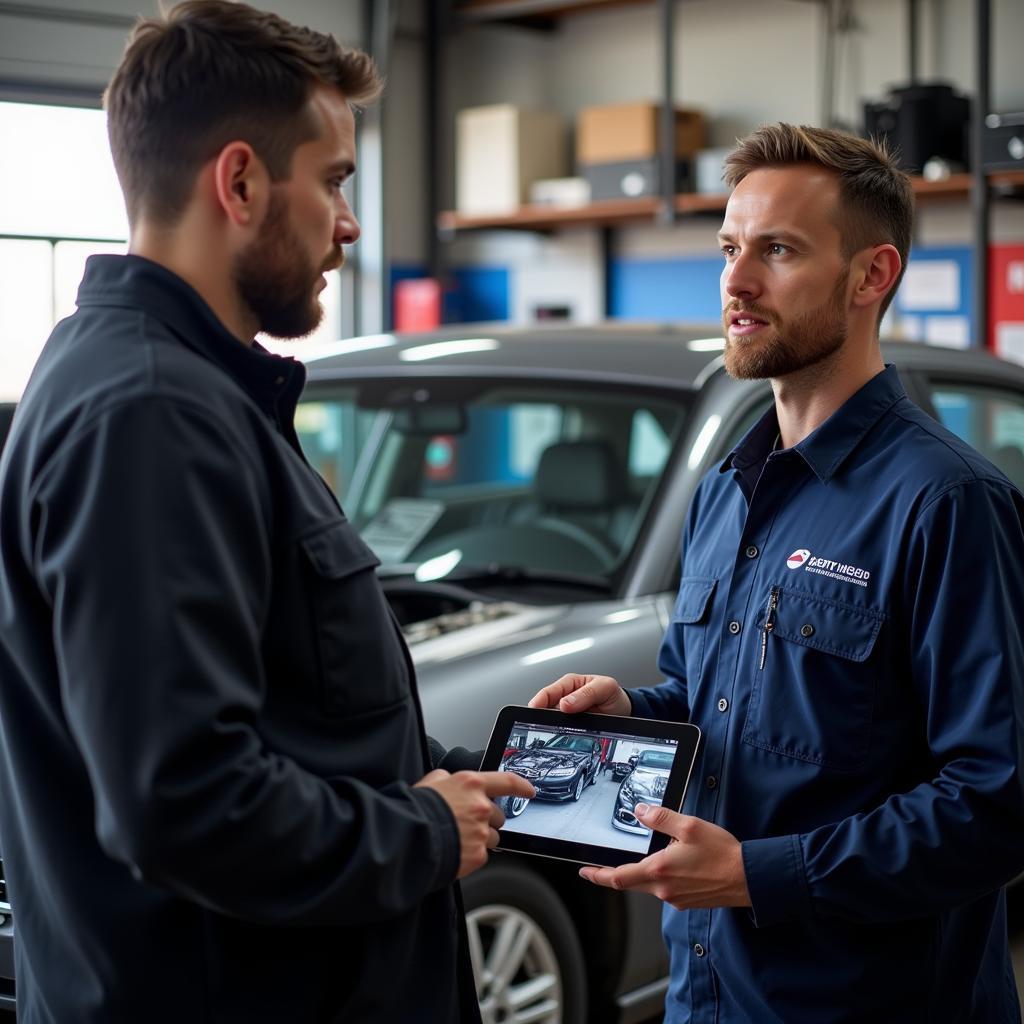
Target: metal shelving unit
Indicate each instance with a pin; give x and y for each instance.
(975, 187)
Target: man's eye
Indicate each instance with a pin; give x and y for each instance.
(336, 184)
(728, 251)
(778, 249)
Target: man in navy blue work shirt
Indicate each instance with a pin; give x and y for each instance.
(847, 638)
(216, 795)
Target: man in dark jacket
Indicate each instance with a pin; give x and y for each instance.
(216, 799)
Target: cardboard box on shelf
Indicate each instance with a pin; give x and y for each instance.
(630, 179)
(710, 165)
(629, 131)
(500, 151)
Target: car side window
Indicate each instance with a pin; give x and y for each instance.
(989, 419)
(735, 430)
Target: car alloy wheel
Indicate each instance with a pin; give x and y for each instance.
(513, 806)
(527, 961)
(581, 785)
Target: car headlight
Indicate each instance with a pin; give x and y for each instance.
(627, 795)
(561, 773)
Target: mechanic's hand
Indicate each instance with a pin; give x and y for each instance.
(470, 796)
(702, 867)
(601, 694)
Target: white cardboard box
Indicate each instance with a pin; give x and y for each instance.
(560, 192)
(500, 151)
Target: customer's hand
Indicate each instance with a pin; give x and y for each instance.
(601, 694)
(470, 796)
(702, 867)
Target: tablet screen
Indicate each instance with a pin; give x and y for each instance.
(590, 772)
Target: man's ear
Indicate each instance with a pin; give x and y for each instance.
(876, 269)
(241, 184)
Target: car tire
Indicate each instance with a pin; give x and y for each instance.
(513, 806)
(580, 785)
(515, 906)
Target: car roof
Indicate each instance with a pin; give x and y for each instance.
(662, 355)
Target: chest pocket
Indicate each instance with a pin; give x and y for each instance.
(690, 622)
(814, 698)
(360, 659)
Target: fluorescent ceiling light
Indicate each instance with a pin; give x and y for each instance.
(439, 349)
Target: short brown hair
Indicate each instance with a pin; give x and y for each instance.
(207, 73)
(875, 197)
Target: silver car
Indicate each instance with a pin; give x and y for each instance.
(525, 491)
(645, 784)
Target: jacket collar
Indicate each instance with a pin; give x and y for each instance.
(826, 448)
(137, 283)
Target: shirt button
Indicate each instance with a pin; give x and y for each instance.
(712, 782)
(734, 627)
(698, 949)
(752, 551)
(723, 705)
(806, 629)
(279, 381)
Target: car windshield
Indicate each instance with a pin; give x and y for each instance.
(655, 759)
(455, 475)
(570, 743)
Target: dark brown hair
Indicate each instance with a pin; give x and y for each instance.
(875, 197)
(210, 72)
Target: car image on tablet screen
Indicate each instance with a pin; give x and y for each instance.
(559, 770)
(645, 784)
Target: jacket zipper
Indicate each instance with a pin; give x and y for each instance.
(769, 624)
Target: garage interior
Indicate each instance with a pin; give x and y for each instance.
(539, 164)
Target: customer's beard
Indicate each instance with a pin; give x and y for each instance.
(810, 339)
(276, 279)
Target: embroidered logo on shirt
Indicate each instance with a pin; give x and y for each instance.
(798, 558)
(827, 567)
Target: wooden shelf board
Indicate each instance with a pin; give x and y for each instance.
(540, 217)
(611, 212)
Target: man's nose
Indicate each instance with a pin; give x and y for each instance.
(346, 227)
(740, 278)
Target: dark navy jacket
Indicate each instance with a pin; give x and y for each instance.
(847, 636)
(208, 716)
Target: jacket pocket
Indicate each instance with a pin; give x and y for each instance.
(814, 683)
(360, 658)
(690, 621)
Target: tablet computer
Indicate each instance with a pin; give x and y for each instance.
(589, 771)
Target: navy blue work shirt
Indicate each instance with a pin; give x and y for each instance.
(846, 636)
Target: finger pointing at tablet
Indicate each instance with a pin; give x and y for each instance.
(571, 693)
(470, 796)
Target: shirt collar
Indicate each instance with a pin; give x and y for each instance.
(826, 448)
(139, 283)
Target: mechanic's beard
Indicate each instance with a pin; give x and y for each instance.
(276, 280)
(810, 339)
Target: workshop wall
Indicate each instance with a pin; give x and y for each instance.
(743, 62)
